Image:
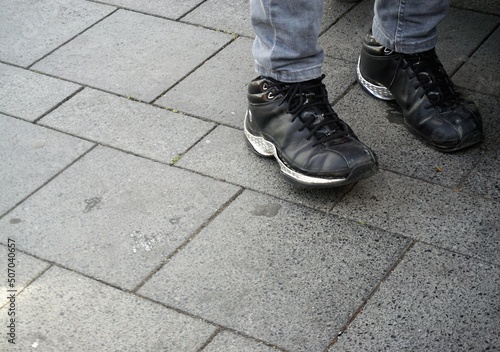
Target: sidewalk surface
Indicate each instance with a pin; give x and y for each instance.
(133, 217)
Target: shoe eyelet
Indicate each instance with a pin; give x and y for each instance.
(270, 96)
(264, 86)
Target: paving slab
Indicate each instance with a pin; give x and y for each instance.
(333, 11)
(433, 301)
(29, 95)
(25, 269)
(340, 40)
(460, 34)
(379, 124)
(232, 16)
(223, 154)
(64, 311)
(277, 272)
(31, 155)
(230, 342)
(339, 77)
(133, 54)
(128, 125)
(487, 6)
(440, 216)
(217, 90)
(485, 179)
(490, 110)
(30, 29)
(167, 8)
(481, 72)
(114, 216)
(220, 85)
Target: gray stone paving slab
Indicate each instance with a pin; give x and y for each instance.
(379, 124)
(485, 179)
(333, 10)
(490, 110)
(30, 156)
(277, 272)
(444, 217)
(114, 216)
(232, 16)
(489, 107)
(230, 342)
(488, 6)
(223, 154)
(481, 73)
(340, 75)
(133, 54)
(64, 311)
(460, 34)
(129, 125)
(30, 29)
(220, 85)
(217, 90)
(433, 301)
(28, 95)
(25, 269)
(167, 8)
(340, 41)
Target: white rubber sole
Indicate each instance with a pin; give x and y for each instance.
(267, 149)
(378, 91)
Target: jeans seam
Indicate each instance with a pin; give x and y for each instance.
(398, 40)
(275, 37)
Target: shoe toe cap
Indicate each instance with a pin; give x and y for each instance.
(343, 160)
(456, 129)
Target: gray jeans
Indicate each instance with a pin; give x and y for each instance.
(286, 44)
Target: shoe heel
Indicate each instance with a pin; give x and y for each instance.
(258, 145)
(377, 91)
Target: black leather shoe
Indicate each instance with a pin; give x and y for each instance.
(295, 123)
(433, 109)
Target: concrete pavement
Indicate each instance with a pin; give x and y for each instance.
(134, 218)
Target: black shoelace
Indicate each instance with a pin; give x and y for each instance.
(433, 79)
(308, 101)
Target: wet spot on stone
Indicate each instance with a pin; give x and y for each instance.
(394, 114)
(91, 203)
(268, 210)
(175, 221)
(15, 221)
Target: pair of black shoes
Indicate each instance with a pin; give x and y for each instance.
(295, 123)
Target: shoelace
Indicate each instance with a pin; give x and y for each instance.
(433, 79)
(308, 101)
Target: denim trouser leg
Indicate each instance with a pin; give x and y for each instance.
(286, 47)
(408, 26)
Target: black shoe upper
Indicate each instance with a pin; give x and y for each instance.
(433, 108)
(308, 135)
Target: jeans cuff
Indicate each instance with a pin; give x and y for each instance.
(290, 76)
(406, 47)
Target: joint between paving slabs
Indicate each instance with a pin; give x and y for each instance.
(70, 39)
(152, 102)
(371, 294)
(48, 181)
(188, 240)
